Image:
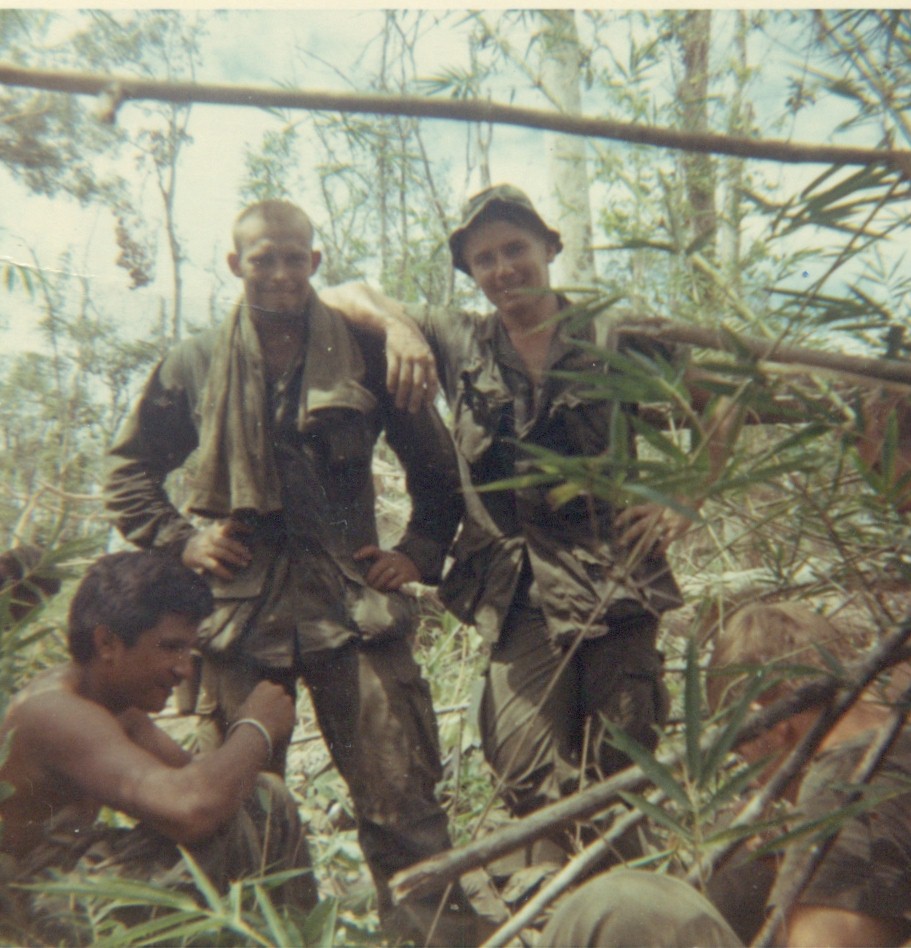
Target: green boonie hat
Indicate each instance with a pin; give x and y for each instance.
(501, 202)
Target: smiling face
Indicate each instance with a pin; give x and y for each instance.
(143, 675)
(511, 265)
(275, 259)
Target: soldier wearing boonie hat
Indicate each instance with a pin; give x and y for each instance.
(539, 582)
(500, 202)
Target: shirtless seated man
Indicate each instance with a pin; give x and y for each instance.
(80, 737)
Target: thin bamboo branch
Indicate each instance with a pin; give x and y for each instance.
(124, 88)
(655, 327)
(566, 877)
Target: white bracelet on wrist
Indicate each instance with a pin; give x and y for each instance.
(259, 727)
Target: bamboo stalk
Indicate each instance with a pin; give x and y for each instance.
(114, 90)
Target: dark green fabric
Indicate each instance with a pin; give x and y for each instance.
(534, 724)
(628, 908)
(576, 568)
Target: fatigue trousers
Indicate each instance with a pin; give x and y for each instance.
(375, 712)
(542, 728)
(265, 836)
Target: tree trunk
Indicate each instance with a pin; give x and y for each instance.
(561, 76)
(693, 91)
(738, 124)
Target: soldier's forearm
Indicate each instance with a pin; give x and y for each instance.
(365, 306)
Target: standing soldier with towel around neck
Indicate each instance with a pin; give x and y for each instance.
(285, 402)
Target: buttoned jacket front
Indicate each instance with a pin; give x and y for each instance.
(517, 544)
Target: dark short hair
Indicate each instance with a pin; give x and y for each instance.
(130, 593)
(271, 210)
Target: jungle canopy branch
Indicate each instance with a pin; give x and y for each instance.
(464, 110)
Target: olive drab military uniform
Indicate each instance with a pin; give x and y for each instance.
(292, 460)
(537, 581)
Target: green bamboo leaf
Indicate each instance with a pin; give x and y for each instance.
(619, 438)
(319, 928)
(277, 929)
(871, 176)
(558, 496)
(274, 879)
(745, 831)
(233, 900)
(656, 814)
(732, 788)
(647, 494)
(186, 934)
(658, 440)
(659, 774)
(163, 929)
(203, 882)
(822, 827)
(692, 713)
(737, 713)
(125, 891)
(524, 482)
(817, 182)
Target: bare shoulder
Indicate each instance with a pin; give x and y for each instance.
(49, 712)
(44, 688)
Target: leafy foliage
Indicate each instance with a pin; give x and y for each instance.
(244, 916)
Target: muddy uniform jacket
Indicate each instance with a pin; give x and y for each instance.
(303, 591)
(514, 546)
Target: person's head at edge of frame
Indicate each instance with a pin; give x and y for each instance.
(273, 256)
(132, 627)
(782, 641)
(505, 246)
(25, 580)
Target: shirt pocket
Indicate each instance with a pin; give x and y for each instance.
(482, 413)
